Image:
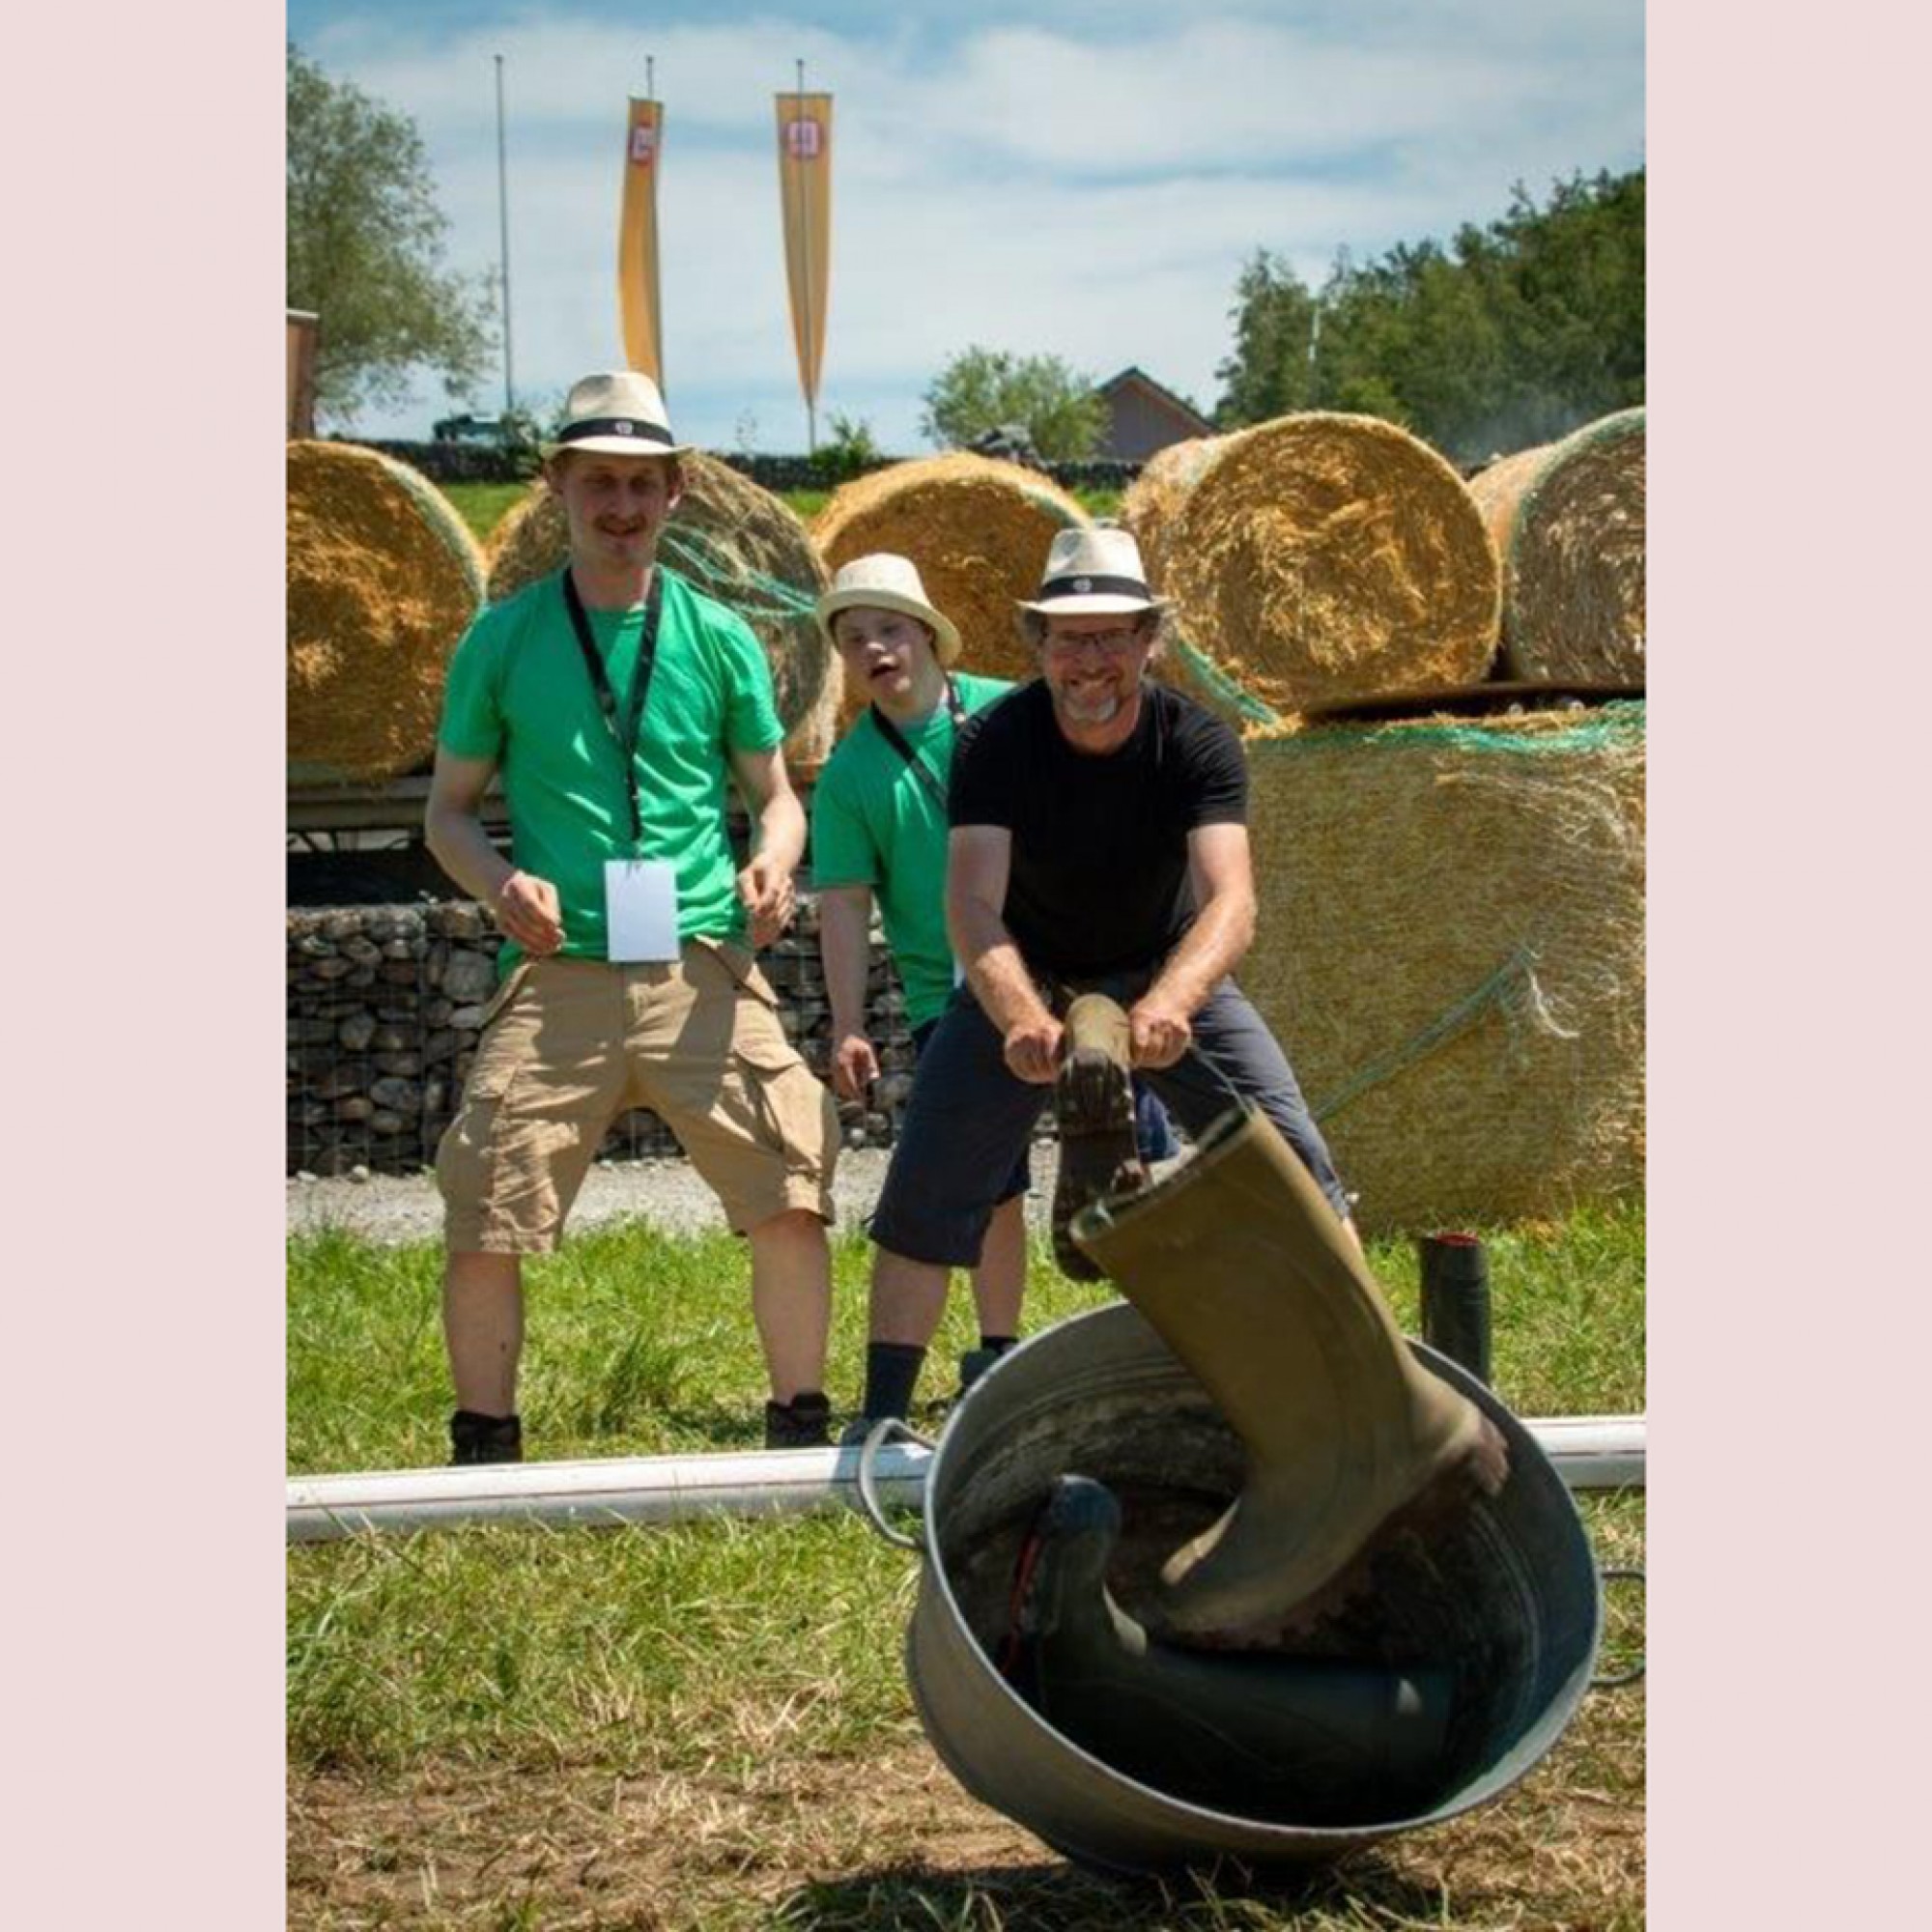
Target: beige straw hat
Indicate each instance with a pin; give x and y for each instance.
(1093, 573)
(885, 581)
(620, 414)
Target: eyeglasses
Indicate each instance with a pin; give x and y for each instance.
(1116, 643)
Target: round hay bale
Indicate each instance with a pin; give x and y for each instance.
(1451, 949)
(736, 542)
(1327, 556)
(382, 578)
(979, 530)
(1568, 522)
(1154, 497)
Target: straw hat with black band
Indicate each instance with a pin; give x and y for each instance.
(886, 582)
(1093, 573)
(619, 413)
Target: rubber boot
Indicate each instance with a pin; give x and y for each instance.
(1296, 1740)
(1099, 1152)
(1245, 1272)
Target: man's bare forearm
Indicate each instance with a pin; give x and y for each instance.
(780, 830)
(844, 921)
(1210, 949)
(465, 850)
(994, 968)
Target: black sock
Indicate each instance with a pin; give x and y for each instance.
(892, 1371)
(999, 1343)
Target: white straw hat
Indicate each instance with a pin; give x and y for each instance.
(620, 414)
(885, 581)
(1093, 573)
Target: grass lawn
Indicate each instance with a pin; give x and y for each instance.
(482, 504)
(708, 1725)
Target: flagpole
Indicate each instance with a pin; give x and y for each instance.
(503, 216)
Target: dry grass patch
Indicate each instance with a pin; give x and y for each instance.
(1568, 520)
(383, 579)
(979, 530)
(835, 1844)
(1323, 557)
(1451, 949)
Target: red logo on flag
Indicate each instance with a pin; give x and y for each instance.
(643, 143)
(803, 140)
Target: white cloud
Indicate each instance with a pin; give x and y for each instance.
(1081, 190)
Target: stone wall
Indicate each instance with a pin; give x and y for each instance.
(386, 1006)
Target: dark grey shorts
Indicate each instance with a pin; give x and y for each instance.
(968, 1119)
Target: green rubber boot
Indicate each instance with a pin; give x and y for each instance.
(1241, 1266)
(1094, 1101)
(1300, 1740)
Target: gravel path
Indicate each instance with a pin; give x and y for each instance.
(396, 1209)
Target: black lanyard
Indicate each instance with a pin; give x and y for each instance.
(918, 766)
(625, 737)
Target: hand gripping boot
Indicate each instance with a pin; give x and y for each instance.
(1094, 1101)
(1244, 1270)
(1315, 1741)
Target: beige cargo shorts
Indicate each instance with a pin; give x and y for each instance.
(569, 1044)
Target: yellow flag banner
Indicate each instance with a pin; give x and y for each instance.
(805, 187)
(637, 242)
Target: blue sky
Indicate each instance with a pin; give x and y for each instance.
(1084, 181)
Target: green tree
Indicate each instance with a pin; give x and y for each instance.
(365, 250)
(1062, 414)
(1513, 334)
(1272, 369)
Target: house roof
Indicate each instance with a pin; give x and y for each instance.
(1133, 373)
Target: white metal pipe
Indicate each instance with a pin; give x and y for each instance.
(1589, 1452)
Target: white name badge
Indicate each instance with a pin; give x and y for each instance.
(641, 909)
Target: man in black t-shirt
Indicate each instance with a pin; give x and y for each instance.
(1099, 844)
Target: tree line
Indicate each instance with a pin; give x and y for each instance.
(1511, 335)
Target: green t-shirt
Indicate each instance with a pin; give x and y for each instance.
(874, 823)
(519, 694)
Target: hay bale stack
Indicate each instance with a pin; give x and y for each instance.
(1154, 497)
(978, 528)
(1568, 520)
(1451, 949)
(1323, 557)
(382, 578)
(736, 542)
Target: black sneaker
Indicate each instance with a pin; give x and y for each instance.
(974, 1364)
(805, 1422)
(485, 1438)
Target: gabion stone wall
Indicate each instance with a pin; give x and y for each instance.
(386, 1006)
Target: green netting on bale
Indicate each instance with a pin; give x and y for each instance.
(1449, 946)
(753, 594)
(1551, 733)
(1204, 679)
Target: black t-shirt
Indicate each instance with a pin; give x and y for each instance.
(1100, 857)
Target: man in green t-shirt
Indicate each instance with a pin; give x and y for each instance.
(615, 701)
(878, 827)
